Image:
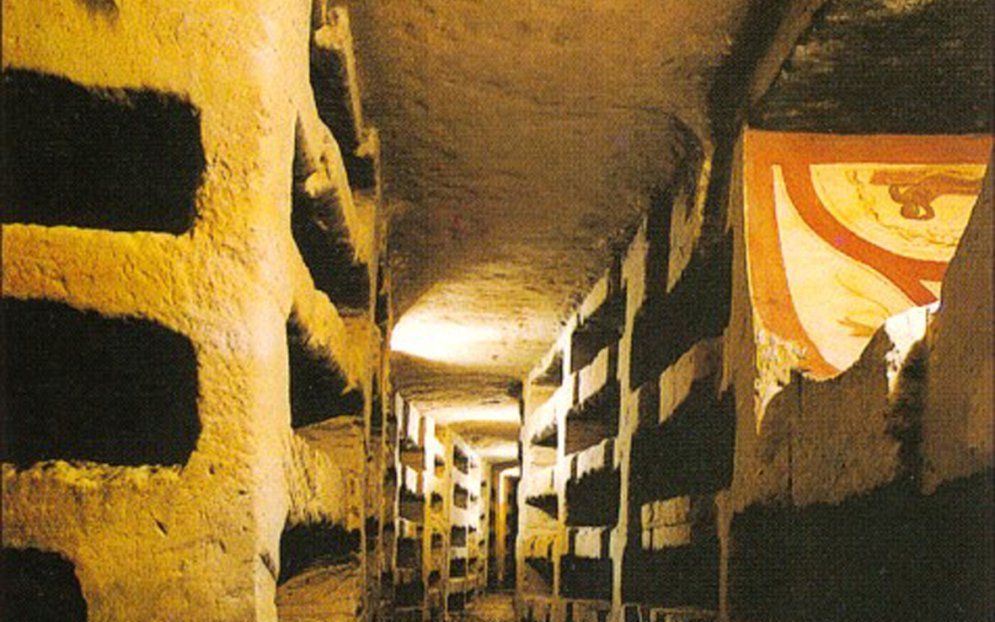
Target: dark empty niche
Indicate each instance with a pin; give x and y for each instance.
(457, 536)
(81, 386)
(457, 567)
(409, 594)
(372, 529)
(552, 375)
(330, 83)
(408, 552)
(539, 574)
(547, 503)
(121, 159)
(682, 576)
(315, 545)
(320, 233)
(411, 505)
(592, 501)
(593, 420)
(546, 437)
(586, 578)
(317, 390)
(39, 587)
(376, 408)
(460, 497)
(599, 330)
(456, 602)
(460, 460)
(697, 308)
(691, 452)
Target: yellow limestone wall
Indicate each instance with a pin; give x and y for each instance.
(200, 541)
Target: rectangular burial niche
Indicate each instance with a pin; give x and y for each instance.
(81, 386)
(691, 452)
(461, 497)
(409, 594)
(592, 500)
(319, 231)
(40, 587)
(315, 545)
(456, 602)
(697, 308)
(584, 578)
(118, 159)
(333, 97)
(317, 390)
(538, 575)
(461, 461)
(457, 567)
(602, 328)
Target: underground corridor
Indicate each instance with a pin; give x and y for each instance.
(497, 311)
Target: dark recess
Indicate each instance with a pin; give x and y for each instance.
(547, 503)
(39, 587)
(697, 308)
(542, 576)
(408, 553)
(409, 594)
(412, 505)
(121, 159)
(316, 389)
(683, 576)
(319, 231)
(594, 419)
(331, 94)
(603, 327)
(461, 461)
(457, 567)
(893, 555)
(592, 501)
(81, 386)
(552, 376)
(586, 578)
(691, 452)
(460, 497)
(315, 545)
(456, 602)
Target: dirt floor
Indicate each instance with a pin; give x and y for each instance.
(498, 607)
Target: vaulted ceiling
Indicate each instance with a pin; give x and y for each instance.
(522, 138)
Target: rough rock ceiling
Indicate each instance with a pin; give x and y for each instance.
(520, 139)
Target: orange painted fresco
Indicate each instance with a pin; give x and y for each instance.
(843, 232)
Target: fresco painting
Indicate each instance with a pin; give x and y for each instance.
(845, 231)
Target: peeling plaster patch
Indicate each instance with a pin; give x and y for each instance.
(905, 330)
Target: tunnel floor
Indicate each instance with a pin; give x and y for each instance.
(492, 607)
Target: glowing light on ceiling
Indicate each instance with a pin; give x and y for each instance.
(491, 413)
(441, 340)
